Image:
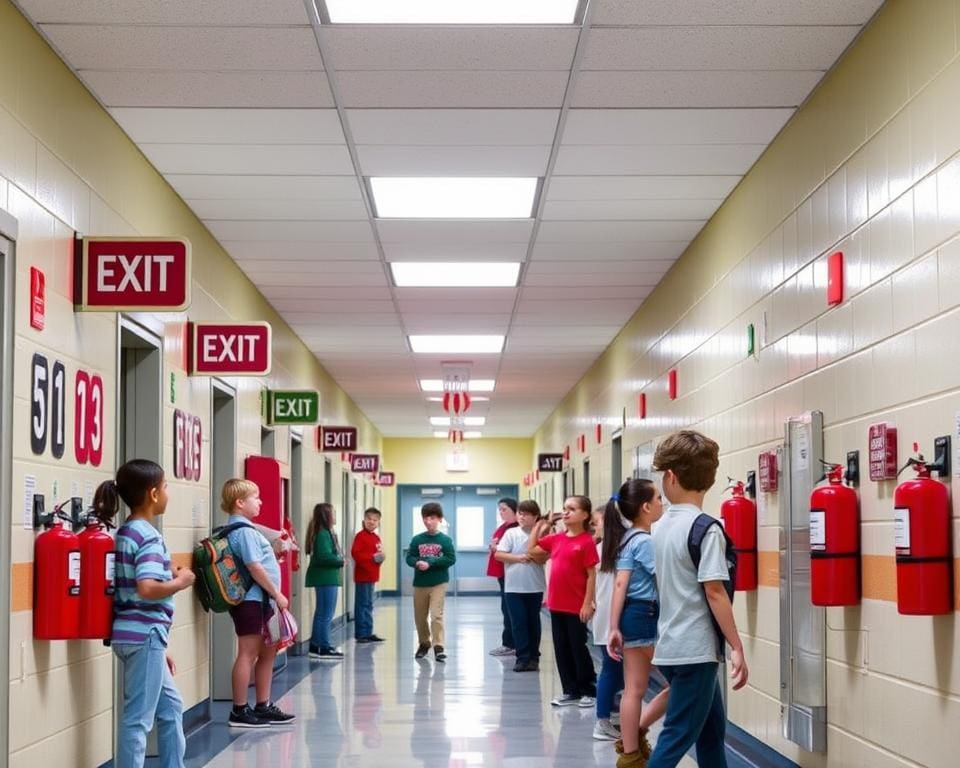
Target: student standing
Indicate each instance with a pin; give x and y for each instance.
(430, 554)
(691, 598)
(524, 585)
(145, 584)
(610, 679)
(507, 507)
(367, 554)
(241, 500)
(325, 575)
(570, 596)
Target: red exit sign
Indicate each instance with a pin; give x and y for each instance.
(232, 349)
(386, 478)
(364, 462)
(343, 439)
(116, 274)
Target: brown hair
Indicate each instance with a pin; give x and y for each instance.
(585, 505)
(431, 509)
(529, 505)
(691, 456)
(372, 511)
(234, 490)
(628, 501)
(322, 519)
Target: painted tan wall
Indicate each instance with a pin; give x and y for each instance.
(424, 461)
(870, 167)
(66, 167)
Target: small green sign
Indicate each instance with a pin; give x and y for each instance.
(293, 406)
(750, 340)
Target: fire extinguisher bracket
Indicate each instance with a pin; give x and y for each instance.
(941, 456)
(43, 519)
(852, 474)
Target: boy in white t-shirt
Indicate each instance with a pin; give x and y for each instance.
(688, 652)
(524, 585)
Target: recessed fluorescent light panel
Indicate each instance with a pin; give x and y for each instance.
(453, 198)
(452, 11)
(468, 421)
(476, 385)
(456, 344)
(441, 274)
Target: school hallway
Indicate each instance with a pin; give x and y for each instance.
(381, 708)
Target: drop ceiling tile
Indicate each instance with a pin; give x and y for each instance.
(620, 90)
(322, 267)
(455, 251)
(280, 210)
(641, 281)
(587, 266)
(436, 232)
(422, 297)
(719, 12)
(673, 126)
(323, 293)
(300, 250)
(716, 48)
(185, 48)
(564, 293)
(182, 12)
(289, 287)
(444, 306)
(347, 312)
(631, 210)
(726, 159)
(136, 88)
(420, 89)
(640, 187)
(291, 231)
(230, 126)
(593, 232)
(426, 47)
(249, 158)
(564, 331)
(459, 322)
(258, 188)
(555, 251)
(453, 127)
(379, 160)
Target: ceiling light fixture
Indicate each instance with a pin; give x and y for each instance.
(441, 274)
(476, 385)
(453, 198)
(456, 343)
(452, 12)
(476, 399)
(468, 435)
(468, 421)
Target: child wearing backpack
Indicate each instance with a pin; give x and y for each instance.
(241, 500)
(145, 584)
(324, 574)
(634, 609)
(691, 599)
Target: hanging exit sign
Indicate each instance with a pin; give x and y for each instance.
(550, 462)
(364, 462)
(230, 349)
(300, 406)
(119, 274)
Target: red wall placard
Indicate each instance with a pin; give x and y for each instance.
(642, 405)
(38, 299)
(768, 472)
(386, 478)
(672, 383)
(116, 274)
(343, 439)
(835, 278)
(187, 442)
(364, 462)
(233, 349)
(882, 441)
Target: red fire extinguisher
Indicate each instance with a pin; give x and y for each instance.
(739, 515)
(56, 584)
(97, 568)
(921, 524)
(834, 542)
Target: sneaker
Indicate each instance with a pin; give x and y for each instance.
(376, 639)
(567, 700)
(533, 666)
(631, 760)
(273, 714)
(438, 653)
(585, 702)
(604, 730)
(246, 718)
(422, 650)
(329, 654)
(503, 651)
(615, 719)
(314, 652)
(361, 640)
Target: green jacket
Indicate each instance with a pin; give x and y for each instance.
(438, 551)
(326, 561)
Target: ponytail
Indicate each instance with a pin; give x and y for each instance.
(134, 481)
(106, 502)
(624, 507)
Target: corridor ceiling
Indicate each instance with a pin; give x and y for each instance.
(639, 119)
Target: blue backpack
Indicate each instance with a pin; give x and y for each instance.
(694, 546)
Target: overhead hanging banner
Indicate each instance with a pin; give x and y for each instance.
(230, 349)
(120, 274)
(337, 438)
(300, 406)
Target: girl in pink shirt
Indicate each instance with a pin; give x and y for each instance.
(570, 597)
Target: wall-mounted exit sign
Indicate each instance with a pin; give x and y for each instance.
(230, 349)
(300, 406)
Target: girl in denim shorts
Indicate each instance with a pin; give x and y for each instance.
(634, 609)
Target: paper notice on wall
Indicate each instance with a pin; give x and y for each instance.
(74, 488)
(818, 530)
(901, 530)
(801, 449)
(29, 489)
(88, 490)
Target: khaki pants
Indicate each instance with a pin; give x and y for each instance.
(429, 600)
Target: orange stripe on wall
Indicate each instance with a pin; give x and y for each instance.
(21, 581)
(768, 569)
(879, 577)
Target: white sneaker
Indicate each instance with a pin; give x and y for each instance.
(586, 702)
(503, 651)
(615, 719)
(565, 700)
(604, 730)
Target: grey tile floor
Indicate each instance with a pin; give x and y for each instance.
(380, 708)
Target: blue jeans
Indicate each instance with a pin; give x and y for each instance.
(506, 638)
(148, 692)
(608, 683)
(524, 611)
(363, 609)
(322, 616)
(694, 716)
